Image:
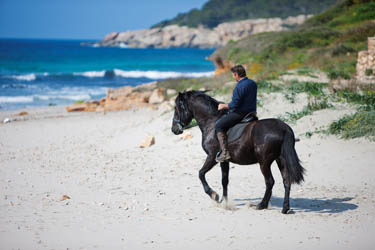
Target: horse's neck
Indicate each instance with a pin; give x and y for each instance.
(205, 119)
(206, 125)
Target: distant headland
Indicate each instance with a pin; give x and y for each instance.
(174, 36)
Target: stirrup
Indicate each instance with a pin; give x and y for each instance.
(218, 155)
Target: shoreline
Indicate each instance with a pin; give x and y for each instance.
(34, 113)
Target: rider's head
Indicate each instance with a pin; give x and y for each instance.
(238, 72)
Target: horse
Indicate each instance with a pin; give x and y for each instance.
(263, 141)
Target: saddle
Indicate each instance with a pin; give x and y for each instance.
(235, 132)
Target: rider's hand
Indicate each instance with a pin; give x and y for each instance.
(222, 106)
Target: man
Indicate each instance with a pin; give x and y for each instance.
(243, 102)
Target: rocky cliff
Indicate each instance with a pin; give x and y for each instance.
(174, 36)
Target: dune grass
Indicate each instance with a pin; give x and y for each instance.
(307, 110)
(359, 124)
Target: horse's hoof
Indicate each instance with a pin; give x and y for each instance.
(215, 197)
(223, 199)
(261, 206)
(287, 211)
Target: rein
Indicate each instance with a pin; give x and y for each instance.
(182, 127)
(179, 123)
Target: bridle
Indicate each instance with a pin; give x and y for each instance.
(179, 124)
(178, 121)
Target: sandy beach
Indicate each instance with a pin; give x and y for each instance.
(81, 181)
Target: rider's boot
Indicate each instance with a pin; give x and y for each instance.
(224, 156)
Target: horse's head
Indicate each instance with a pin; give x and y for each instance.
(182, 115)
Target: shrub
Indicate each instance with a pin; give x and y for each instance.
(335, 74)
(255, 68)
(304, 38)
(353, 126)
(341, 49)
(360, 33)
(294, 65)
(366, 100)
(337, 127)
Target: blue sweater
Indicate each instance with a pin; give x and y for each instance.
(244, 99)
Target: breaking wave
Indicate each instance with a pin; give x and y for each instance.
(27, 77)
(153, 74)
(150, 74)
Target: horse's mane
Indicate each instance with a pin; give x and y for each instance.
(208, 100)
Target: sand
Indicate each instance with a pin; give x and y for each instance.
(124, 197)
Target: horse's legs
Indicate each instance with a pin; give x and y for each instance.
(287, 184)
(224, 179)
(265, 167)
(207, 166)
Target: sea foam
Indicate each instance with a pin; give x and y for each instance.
(16, 99)
(153, 74)
(91, 73)
(27, 77)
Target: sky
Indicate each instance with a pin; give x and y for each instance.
(84, 19)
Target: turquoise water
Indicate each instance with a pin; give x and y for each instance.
(48, 72)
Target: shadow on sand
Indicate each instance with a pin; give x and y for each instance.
(318, 205)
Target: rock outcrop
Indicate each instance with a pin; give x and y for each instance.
(125, 98)
(174, 36)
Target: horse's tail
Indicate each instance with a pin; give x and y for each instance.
(292, 162)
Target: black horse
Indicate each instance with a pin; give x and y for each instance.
(263, 141)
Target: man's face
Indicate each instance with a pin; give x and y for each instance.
(235, 76)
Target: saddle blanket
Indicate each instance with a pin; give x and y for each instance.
(235, 132)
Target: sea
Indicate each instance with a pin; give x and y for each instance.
(60, 72)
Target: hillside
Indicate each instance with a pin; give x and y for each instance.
(291, 63)
(328, 41)
(215, 12)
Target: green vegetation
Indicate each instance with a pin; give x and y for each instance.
(306, 72)
(317, 98)
(353, 126)
(366, 100)
(215, 12)
(311, 88)
(362, 123)
(216, 83)
(268, 87)
(328, 41)
(79, 102)
(307, 110)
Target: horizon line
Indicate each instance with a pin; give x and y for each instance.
(52, 39)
